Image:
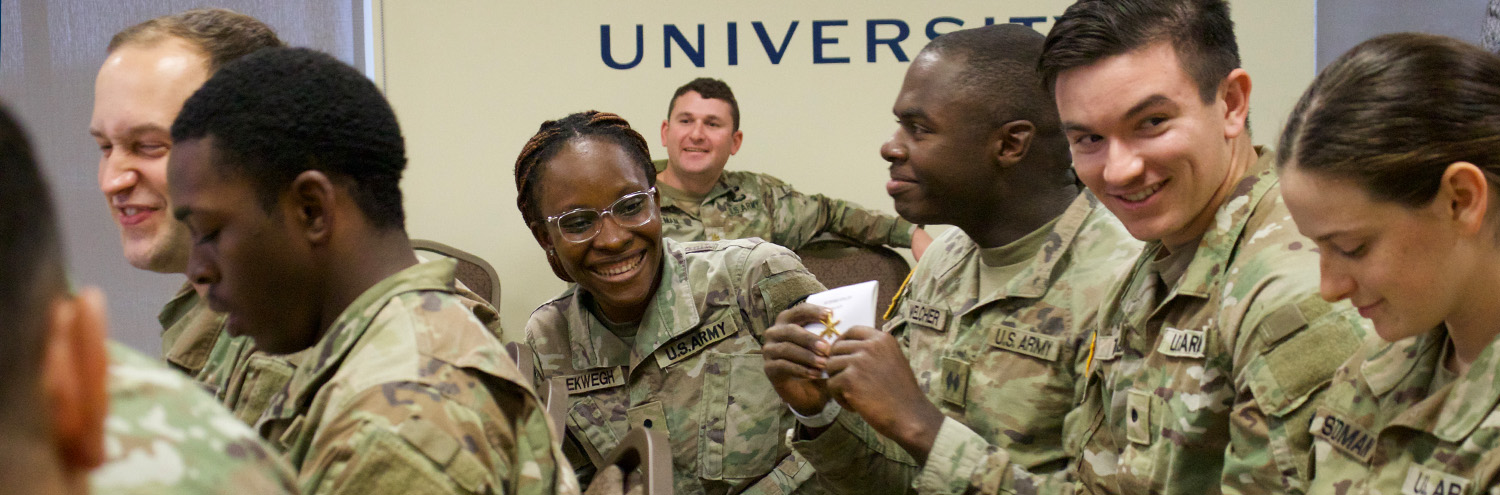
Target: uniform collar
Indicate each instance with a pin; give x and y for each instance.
(192, 328)
(1033, 280)
(1454, 411)
(1393, 363)
(323, 359)
(673, 311)
(720, 188)
(1206, 271)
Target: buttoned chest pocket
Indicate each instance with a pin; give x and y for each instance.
(743, 418)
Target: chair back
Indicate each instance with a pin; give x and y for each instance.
(476, 273)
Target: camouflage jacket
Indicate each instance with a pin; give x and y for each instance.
(1385, 426)
(164, 436)
(409, 393)
(747, 204)
(1211, 389)
(1000, 357)
(230, 368)
(695, 369)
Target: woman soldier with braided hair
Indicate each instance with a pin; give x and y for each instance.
(654, 333)
(1391, 163)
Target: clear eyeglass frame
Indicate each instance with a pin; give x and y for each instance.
(614, 211)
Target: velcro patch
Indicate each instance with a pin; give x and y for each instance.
(1423, 481)
(1182, 343)
(955, 384)
(928, 316)
(1106, 348)
(688, 344)
(1032, 344)
(597, 379)
(1347, 436)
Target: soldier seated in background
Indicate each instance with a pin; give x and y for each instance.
(161, 433)
(995, 321)
(286, 172)
(655, 333)
(702, 202)
(152, 67)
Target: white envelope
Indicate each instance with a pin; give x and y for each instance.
(852, 305)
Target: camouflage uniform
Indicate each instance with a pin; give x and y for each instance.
(1396, 421)
(230, 368)
(164, 436)
(999, 353)
(694, 370)
(1204, 381)
(747, 204)
(409, 393)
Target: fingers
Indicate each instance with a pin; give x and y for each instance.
(801, 314)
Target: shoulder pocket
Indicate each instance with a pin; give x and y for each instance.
(412, 461)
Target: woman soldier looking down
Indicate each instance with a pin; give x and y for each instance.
(1389, 163)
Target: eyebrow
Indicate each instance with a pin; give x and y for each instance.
(133, 131)
(911, 114)
(1140, 107)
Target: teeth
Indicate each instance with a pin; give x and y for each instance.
(132, 211)
(621, 267)
(1143, 194)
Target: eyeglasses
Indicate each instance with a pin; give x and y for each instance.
(581, 225)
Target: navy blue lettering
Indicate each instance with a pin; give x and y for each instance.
(932, 33)
(670, 33)
(872, 39)
(819, 40)
(734, 43)
(989, 21)
(773, 52)
(605, 52)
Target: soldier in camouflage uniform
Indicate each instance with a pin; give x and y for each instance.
(152, 67)
(165, 436)
(1375, 168)
(702, 202)
(286, 172)
(655, 334)
(995, 320)
(69, 402)
(1210, 354)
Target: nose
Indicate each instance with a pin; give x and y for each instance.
(116, 174)
(1333, 284)
(1123, 165)
(696, 132)
(200, 270)
(893, 151)
(611, 236)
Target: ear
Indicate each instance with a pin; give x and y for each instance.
(1012, 140)
(310, 204)
(664, 123)
(539, 232)
(739, 137)
(1465, 195)
(1234, 91)
(75, 370)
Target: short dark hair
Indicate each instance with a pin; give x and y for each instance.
(1000, 73)
(282, 111)
(31, 274)
(222, 34)
(710, 89)
(1201, 32)
(1394, 112)
(551, 137)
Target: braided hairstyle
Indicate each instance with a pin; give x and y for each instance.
(551, 138)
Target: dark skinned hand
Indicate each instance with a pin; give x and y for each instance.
(795, 358)
(869, 375)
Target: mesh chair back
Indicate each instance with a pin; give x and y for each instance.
(476, 273)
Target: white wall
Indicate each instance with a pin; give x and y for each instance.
(472, 79)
